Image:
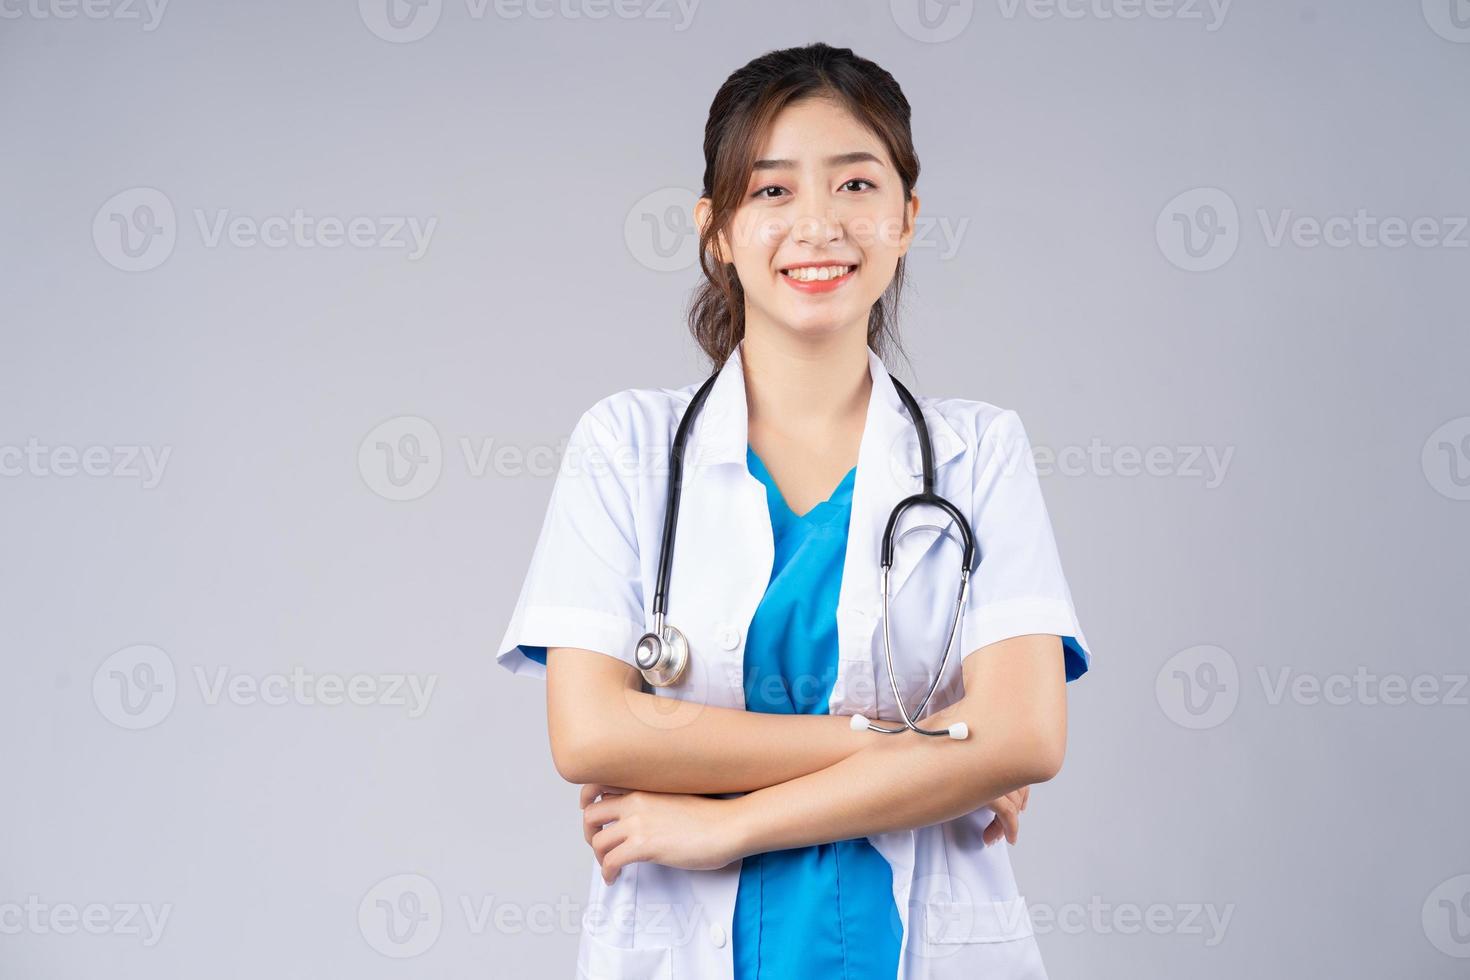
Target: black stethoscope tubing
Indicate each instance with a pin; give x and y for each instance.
(664, 637)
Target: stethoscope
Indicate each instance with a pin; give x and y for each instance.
(663, 655)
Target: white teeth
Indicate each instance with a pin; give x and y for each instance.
(819, 273)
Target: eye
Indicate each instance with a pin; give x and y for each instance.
(859, 180)
(768, 197)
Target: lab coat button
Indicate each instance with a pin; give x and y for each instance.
(729, 637)
(717, 934)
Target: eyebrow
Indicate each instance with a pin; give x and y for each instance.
(841, 159)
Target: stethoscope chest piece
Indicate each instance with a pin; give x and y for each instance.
(662, 655)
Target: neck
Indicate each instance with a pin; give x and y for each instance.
(805, 389)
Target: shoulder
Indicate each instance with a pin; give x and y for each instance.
(981, 425)
(632, 416)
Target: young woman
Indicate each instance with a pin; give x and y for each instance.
(741, 826)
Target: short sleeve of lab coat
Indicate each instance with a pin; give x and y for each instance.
(583, 587)
(1017, 587)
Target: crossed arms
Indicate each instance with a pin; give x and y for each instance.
(810, 779)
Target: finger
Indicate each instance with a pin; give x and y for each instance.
(1017, 800)
(604, 810)
(1025, 796)
(606, 839)
(591, 791)
(616, 859)
(596, 815)
(1011, 821)
(589, 827)
(1000, 806)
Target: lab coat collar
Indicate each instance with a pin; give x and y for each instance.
(888, 470)
(724, 423)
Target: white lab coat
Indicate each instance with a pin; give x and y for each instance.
(590, 585)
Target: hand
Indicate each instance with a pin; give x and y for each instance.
(682, 831)
(1007, 822)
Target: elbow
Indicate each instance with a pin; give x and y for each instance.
(576, 756)
(571, 766)
(1039, 753)
(588, 721)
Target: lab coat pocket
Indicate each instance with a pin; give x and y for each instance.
(600, 960)
(977, 922)
(959, 940)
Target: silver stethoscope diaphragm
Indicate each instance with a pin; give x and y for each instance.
(663, 654)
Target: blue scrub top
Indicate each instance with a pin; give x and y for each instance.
(826, 910)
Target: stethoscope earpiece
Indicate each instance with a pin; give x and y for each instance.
(860, 723)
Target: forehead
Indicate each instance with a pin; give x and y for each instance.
(818, 126)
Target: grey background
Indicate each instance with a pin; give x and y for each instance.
(1332, 835)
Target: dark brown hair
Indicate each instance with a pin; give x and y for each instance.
(739, 118)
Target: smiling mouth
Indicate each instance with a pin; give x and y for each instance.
(817, 273)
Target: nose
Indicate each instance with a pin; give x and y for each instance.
(817, 225)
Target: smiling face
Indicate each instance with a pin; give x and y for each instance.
(822, 224)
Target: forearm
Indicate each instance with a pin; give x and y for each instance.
(897, 783)
(646, 742)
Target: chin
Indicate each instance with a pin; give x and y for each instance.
(816, 323)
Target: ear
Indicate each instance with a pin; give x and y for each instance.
(703, 210)
(910, 219)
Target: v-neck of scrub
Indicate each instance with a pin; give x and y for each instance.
(838, 498)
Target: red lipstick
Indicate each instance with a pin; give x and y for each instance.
(818, 285)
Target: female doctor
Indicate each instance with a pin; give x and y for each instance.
(741, 827)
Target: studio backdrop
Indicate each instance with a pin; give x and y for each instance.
(301, 302)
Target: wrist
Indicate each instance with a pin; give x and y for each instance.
(744, 824)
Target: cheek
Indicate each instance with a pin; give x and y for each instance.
(877, 233)
(877, 275)
(758, 232)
